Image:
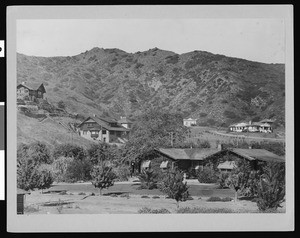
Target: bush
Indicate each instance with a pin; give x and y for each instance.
(146, 210)
(61, 104)
(78, 170)
(271, 187)
(69, 150)
(148, 179)
(45, 177)
(103, 177)
(122, 172)
(208, 175)
(218, 199)
(174, 187)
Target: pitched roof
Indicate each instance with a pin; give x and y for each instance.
(189, 119)
(32, 86)
(258, 154)
(188, 154)
(103, 123)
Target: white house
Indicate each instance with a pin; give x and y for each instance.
(189, 122)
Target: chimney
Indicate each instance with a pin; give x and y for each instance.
(250, 122)
(94, 115)
(220, 147)
(23, 83)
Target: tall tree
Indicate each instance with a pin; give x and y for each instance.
(154, 129)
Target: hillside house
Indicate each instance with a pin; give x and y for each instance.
(30, 91)
(125, 122)
(189, 122)
(102, 129)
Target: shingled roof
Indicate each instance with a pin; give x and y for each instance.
(188, 154)
(257, 154)
(201, 154)
(103, 123)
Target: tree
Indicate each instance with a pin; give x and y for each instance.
(154, 129)
(45, 177)
(208, 175)
(30, 159)
(78, 170)
(271, 187)
(102, 177)
(101, 152)
(174, 187)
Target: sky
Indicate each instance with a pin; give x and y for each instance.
(261, 40)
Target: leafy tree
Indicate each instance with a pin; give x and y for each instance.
(148, 179)
(174, 187)
(154, 129)
(101, 152)
(69, 150)
(102, 177)
(271, 187)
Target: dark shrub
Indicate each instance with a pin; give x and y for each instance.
(208, 175)
(78, 170)
(69, 150)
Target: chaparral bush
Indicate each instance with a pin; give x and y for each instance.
(204, 210)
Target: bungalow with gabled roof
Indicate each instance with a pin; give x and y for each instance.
(103, 129)
(189, 122)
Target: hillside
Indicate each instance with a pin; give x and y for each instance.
(218, 90)
(48, 132)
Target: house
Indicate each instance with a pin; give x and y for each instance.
(238, 127)
(103, 129)
(30, 91)
(251, 127)
(189, 122)
(125, 122)
(196, 158)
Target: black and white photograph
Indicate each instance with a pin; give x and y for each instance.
(173, 114)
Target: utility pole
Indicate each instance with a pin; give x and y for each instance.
(171, 138)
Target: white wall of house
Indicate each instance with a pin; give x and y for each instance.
(189, 122)
(101, 136)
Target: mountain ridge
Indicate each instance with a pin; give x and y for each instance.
(217, 89)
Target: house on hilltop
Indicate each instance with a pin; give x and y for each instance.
(189, 122)
(30, 91)
(103, 129)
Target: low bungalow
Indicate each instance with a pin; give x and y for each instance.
(196, 158)
(251, 127)
(189, 122)
(103, 129)
(30, 91)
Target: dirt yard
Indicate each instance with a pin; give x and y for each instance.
(124, 198)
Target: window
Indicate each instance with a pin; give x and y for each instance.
(103, 132)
